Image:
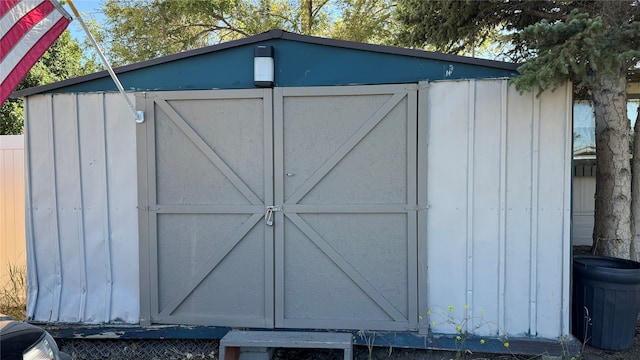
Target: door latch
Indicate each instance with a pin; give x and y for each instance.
(268, 216)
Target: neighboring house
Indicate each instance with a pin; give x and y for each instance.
(584, 169)
(367, 187)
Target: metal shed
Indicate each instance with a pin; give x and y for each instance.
(368, 188)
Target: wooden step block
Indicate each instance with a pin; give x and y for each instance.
(235, 339)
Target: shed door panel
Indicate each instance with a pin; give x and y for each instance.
(209, 164)
(339, 166)
(346, 239)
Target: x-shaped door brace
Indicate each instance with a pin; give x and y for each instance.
(214, 259)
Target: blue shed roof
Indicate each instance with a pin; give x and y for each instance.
(299, 61)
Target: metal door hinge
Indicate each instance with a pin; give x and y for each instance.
(139, 117)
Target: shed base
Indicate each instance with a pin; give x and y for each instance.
(284, 339)
(411, 340)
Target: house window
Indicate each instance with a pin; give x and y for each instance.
(584, 139)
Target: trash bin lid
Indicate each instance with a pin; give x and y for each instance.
(605, 268)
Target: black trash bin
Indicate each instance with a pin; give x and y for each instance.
(606, 301)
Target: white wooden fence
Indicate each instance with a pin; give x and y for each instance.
(12, 219)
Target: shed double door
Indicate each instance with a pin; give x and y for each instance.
(285, 207)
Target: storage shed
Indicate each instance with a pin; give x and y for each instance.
(371, 188)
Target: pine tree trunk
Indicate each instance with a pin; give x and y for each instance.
(635, 191)
(612, 219)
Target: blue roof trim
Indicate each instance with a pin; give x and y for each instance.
(299, 61)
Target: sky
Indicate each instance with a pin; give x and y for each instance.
(88, 9)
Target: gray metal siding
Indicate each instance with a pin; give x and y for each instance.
(81, 199)
(498, 195)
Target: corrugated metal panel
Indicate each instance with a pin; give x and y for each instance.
(81, 196)
(12, 233)
(498, 219)
(520, 220)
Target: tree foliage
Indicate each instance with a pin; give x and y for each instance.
(453, 26)
(574, 40)
(583, 48)
(137, 30)
(62, 61)
(364, 21)
(594, 44)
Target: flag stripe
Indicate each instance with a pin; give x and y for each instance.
(25, 50)
(5, 5)
(34, 36)
(15, 13)
(32, 56)
(23, 26)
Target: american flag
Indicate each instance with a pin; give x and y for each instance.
(27, 30)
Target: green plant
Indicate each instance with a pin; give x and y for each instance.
(587, 322)
(13, 294)
(566, 354)
(465, 328)
(370, 341)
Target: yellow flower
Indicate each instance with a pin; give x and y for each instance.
(458, 337)
(466, 307)
(506, 344)
(450, 307)
(429, 312)
(459, 328)
(481, 341)
(433, 323)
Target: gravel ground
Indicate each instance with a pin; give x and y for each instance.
(362, 353)
(165, 349)
(633, 353)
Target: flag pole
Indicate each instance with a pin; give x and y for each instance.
(138, 115)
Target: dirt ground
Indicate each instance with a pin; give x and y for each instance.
(362, 353)
(595, 354)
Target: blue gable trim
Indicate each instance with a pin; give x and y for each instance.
(299, 61)
(302, 64)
